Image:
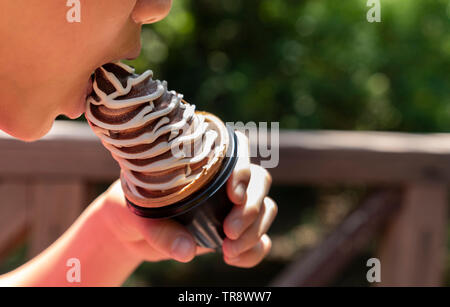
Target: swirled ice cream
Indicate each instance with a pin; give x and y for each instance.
(166, 149)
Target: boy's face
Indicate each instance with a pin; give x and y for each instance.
(46, 61)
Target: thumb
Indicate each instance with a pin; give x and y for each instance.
(169, 238)
(238, 181)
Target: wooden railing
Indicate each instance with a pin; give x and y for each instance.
(46, 184)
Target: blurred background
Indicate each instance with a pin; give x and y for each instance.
(309, 65)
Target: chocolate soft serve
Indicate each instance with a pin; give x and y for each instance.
(166, 149)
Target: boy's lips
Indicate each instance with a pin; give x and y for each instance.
(80, 107)
(89, 87)
(133, 54)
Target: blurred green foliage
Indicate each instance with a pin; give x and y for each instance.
(308, 64)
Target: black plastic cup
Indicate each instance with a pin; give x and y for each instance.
(204, 211)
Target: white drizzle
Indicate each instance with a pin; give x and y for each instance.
(202, 131)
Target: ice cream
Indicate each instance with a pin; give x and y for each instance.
(166, 149)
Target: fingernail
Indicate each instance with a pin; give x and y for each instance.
(240, 191)
(181, 247)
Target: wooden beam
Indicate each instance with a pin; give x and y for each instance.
(69, 150)
(349, 157)
(311, 157)
(54, 207)
(323, 263)
(414, 246)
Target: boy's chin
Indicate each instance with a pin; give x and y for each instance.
(31, 134)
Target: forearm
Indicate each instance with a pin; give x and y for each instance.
(104, 260)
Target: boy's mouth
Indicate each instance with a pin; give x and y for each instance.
(89, 87)
(80, 108)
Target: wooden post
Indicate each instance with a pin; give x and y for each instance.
(12, 215)
(321, 265)
(413, 248)
(54, 206)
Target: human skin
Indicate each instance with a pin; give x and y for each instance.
(45, 65)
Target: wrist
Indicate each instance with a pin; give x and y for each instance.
(112, 232)
(104, 259)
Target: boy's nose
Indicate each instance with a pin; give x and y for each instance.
(149, 11)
